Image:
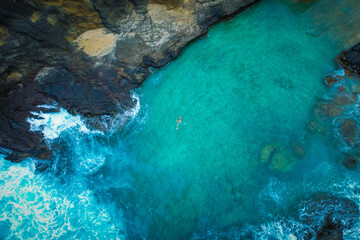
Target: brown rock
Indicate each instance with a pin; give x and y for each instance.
(80, 14)
(343, 100)
(331, 79)
(349, 132)
(330, 109)
(170, 4)
(4, 34)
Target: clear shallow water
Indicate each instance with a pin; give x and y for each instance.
(252, 82)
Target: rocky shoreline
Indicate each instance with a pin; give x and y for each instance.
(87, 55)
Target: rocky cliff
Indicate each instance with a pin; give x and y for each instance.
(86, 55)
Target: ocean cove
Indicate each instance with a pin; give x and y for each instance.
(250, 160)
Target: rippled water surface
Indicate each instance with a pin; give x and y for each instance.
(249, 87)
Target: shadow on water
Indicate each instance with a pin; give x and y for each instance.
(335, 19)
(299, 6)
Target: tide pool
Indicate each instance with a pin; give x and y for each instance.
(252, 82)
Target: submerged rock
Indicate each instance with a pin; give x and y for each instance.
(282, 162)
(299, 150)
(267, 152)
(350, 162)
(88, 55)
(349, 132)
(285, 83)
(315, 127)
(324, 217)
(328, 109)
(279, 159)
(299, 5)
(335, 106)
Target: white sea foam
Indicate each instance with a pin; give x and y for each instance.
(50, 209)
(41, 208)
(52, 124)
(89, 164)
(114, 123)
(274, 191)
(352, 233)
(283, 229)
(340, 72)
(288, 229)
(47, 106)
(135, 110)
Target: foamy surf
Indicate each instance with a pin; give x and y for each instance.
(34, 206)
(52, 124)
(339, 201)
(50, 209)
(111, 124)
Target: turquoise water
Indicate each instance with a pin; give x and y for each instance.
(251, 82)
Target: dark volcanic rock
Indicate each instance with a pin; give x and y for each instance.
(96, 98)
(88, 55)
(330, 230)
(350, 60)
(329, 215)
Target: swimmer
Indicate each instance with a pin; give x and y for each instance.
(178, 123)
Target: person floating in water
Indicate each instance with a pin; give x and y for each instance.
(178, 123)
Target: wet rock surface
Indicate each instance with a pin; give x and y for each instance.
(350, 60)
(339, 110)
(323, 216)
(329, 216)
(88, 55)
(332, 79)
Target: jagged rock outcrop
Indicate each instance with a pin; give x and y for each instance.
(88, 55)
(350, 60)
(329, 216)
